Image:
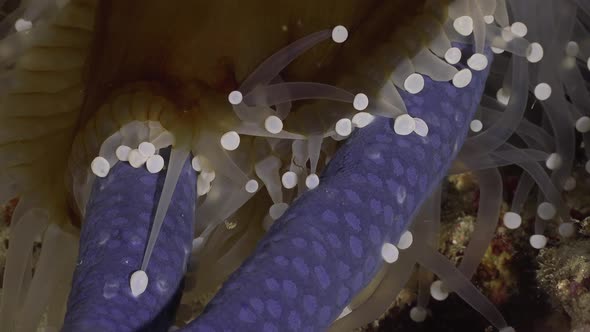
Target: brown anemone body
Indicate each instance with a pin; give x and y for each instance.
(188, 49)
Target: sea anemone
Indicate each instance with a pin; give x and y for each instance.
(309, 141)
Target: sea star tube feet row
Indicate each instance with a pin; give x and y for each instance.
(324, 249)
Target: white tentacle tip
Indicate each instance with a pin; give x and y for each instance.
(512, 220)
(463, 25)
(360, 102)
(230, 141)
(534, 53)
(554, 161)
(136, 159)
(476, 126)
(251, 186)
(583, 124)
(438, 291)
(418, 314)
(312, 181)
(100, 167)
(138, 282)
(421, 127)
(542, 91)
(343, 127)
(339, 34)
(362, 119)
(546, 211)
(273, 124)
(477, 62)
(147, 149)
(155, 164)
(289, 180)
(414, 83)
(406, 240)
(518, 28)
(122, 153)
(389, 253)
(404, 125)
(462, 78)
(22, 25)
(453, 55)
(235, 97)
(538, 241)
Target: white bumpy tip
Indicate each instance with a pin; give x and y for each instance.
(538, 241)
(546, 211)
(343, 127)
(462, 78)
(477, 62)
(497, 50)
(421, 127)
(197, 243)
(414, 83)
(518, 28)
(360, 102)
(138, 282)
(502, 97)
(100, 167)
(554, 161)
(569, 184)
(208, 175)
(312, 181)
(418, 314)
(230, 140)
(251, 186)
(438, 291)
(453, 55)
(339, 34)
(390, 253)
(405, 241)
(122, 153)
(155, 164)
(289, 180)
(583, 124)
(147, 149)
(235, 97)
(345, 312)
(136, 159)
(542, 91)
(534, 53)
(463, 25)
(362, 119)
(476, 126)
(512, 220)
(273, 124)
(203, 186)
(277, 210)
(404, 125)
(567, 229)
(22, 25)
(489, 19)
(588, 63)
(196, 164)
(572, 49)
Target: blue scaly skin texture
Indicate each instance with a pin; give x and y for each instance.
(323, 250)
(114, 235)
